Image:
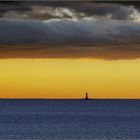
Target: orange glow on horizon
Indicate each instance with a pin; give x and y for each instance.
(69, 78)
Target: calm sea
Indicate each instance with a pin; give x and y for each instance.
(69, 119)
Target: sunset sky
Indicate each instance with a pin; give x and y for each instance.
(61, 49)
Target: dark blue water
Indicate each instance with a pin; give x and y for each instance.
(69, 119)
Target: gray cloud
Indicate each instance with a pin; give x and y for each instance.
(85, 29)
(48, 10)
(84, 32)
(65, 38)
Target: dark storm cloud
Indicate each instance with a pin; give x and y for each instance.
(89, 32)
(46, 10)
(69, 29)
(70, 38)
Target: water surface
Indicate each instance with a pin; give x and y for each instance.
(69, 119)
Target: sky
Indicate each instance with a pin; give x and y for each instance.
(60, 49)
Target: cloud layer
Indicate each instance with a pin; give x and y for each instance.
(74, 29)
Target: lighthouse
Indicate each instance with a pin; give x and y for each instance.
(86, 98)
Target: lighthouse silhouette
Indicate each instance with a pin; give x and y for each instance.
(86, 98)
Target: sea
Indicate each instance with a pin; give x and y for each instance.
(72, 119)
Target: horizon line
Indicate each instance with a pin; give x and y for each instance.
(69, 98)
